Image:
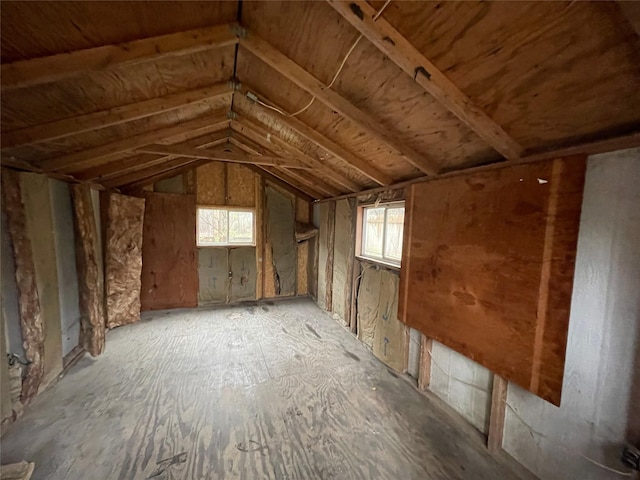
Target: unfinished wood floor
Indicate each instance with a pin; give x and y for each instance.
(268, 391)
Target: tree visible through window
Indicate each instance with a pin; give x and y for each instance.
(382, 229)
(225, 226)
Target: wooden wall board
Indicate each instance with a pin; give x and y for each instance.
(89, 266)
(210, 181)
(169, 265)
(31, 319)
(240, 186)
(527, 65)
(122, 258)
(28, 30)
(302, 275)
(488, 262)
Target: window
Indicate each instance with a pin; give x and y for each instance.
(381, 237)
(221, 226)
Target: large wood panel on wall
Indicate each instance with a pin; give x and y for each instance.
(123, 258)
(488, 263)
(169, 265)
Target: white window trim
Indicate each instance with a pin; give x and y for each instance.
(228, 208)
(360, 235)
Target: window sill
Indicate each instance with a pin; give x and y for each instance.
(379, 263)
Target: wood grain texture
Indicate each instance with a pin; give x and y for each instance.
(497, 414)
(262, 390)
(90, 277)
(169, 265)
(330, 236)
(473, 241)
(424, 374)
(123, 258)
(31, 321)
(24, 73)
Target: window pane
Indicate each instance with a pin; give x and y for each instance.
(373, 232)
(212, 226)
(393, 239)
(240, 227)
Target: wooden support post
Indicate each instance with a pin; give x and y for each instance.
(355, 282)
(90, 281)
(424, 375)
(497, 414)
(31, 323)
(331, 235)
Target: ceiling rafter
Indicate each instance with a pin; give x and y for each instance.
(188, 165)
(101, 154)
(133, 164)
(308, 180)
(113, 116)
(300, 192)
(397, 48)
(303, 79)
(148, 172)
(318, 139)
(36, 71)
(268, 140)
(180, 151)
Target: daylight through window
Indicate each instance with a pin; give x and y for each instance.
(225, 226)
(382, 228)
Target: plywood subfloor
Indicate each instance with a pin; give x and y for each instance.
(270, 391)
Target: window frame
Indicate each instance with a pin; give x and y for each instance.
(361, 234)
(228, 208)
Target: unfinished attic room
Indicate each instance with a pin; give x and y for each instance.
(376, 240)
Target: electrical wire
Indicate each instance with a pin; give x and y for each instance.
(531, 429)
(335, 77)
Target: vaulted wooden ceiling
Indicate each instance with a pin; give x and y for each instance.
(121, 94)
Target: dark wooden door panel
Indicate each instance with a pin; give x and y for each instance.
(169, 265)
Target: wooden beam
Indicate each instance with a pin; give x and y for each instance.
(331, 237)
(152, 171)
(303, 79)
(25, 73)
(261, 136)
(134, 164)
(112, 116)
(90, 278)
(31, 321)
(320, 140)
(266, 173)
(424, 375)
(312, 185)
(222, 156)
(101, 154)
(167, 174)
(631, 140)
(390, 42)
(623, 142)
(497, 414)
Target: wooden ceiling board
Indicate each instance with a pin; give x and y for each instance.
(244, 107)
(114, 87)
(84, 141)
(368, 80)
(36, 29)
(321, 118)
(550, 73)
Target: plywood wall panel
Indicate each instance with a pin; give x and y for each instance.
(344, 255)
(169, 265)
(488, 262)
(123, 258)
(281, 235)
(240, 186)
(210, 181)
